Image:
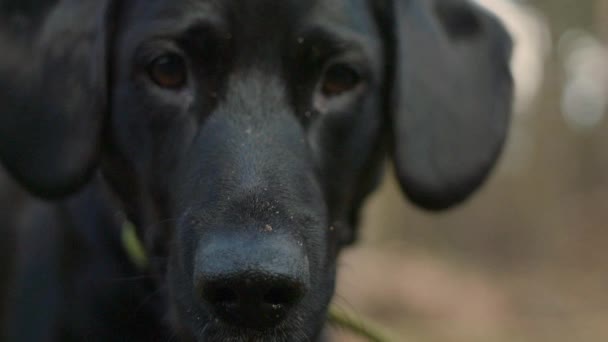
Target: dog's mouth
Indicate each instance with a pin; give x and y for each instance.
(201, 327)
(287, 331)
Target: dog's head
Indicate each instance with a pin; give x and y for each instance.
(243, 136)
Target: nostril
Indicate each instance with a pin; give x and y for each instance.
(280, 296)
(254, 300)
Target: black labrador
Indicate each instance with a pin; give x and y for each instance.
(243, 136)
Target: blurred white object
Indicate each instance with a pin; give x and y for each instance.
(585, 95)
(531, 46)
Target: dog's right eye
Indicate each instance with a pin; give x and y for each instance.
(340, 78)
(168, 71)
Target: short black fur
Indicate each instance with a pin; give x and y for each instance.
(243, 165)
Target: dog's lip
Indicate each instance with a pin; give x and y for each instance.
(284, 332)
(204, 326)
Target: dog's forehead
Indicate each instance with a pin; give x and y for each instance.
(247, 15)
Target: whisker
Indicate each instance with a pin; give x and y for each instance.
(203, 330)
(342, 302)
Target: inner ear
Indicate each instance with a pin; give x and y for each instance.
(458, 20)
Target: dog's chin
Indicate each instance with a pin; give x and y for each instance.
(194, 326)
(216, 330)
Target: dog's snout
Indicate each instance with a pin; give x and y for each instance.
(252, 283)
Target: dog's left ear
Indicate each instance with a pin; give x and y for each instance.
(53, 96)
(450, 97)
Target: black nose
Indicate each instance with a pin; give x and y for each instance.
(251, 283)
(254, 300)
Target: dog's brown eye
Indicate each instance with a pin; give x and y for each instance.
(340, 78)
(168, 71)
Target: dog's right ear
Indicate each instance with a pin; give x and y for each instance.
(450, 98)
(53, 95)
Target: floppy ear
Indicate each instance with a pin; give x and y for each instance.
(450, 100)
(53, 97)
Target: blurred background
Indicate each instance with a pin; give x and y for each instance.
(526, 259)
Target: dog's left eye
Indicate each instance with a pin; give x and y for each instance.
(339, 78)
(168, 71)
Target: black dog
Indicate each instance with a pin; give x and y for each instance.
(242, 137)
